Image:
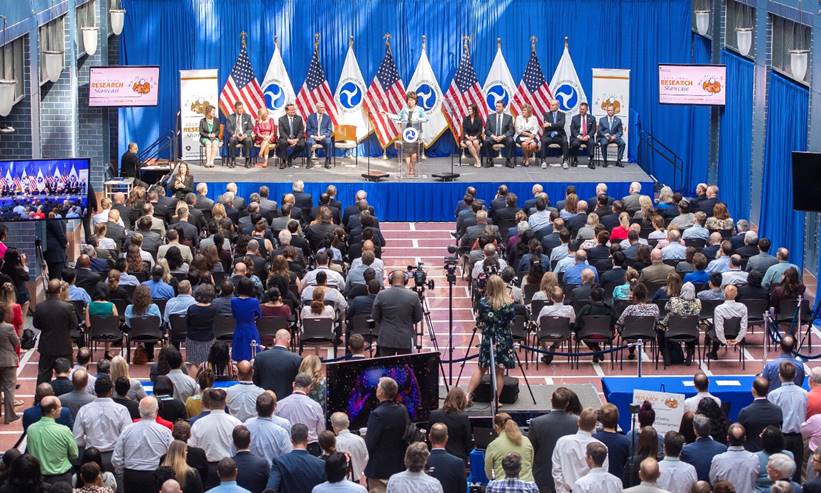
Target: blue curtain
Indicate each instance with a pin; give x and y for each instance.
(735, 147)
(197, 34)
(787, 105)
(696, 167)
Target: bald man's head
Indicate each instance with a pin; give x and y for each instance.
(245, 371)
(649, 470)
(282, 338)
(171, 486)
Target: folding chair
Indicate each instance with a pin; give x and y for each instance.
(636, 328)
(317, 330)
(145, 330)
(683, 330)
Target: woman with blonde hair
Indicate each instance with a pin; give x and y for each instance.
(313, 366)
(119, 368)
(645, 208)
(14, 312)
(549, 281)
(218, 213)
(620, 232)
(571, 207)
(527, 134)
(176, 458)
(509, 439)
(496, 313)
(264, 136)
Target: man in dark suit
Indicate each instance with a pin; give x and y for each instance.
(240, 130)
(759, 414)
(711, 199)
(55, 253)
(130, 162)
(442, 465)
(386, 428)
(297, 471)
(55, 320)
(203, 202)
(554, 132)
(276, 368)
(324, 201)
(252, 470)
(86, 278)
(353, 209)
(610, 132)
(291, 136)
(582, 133)
(302, 200)
(505, 217)
(499, 135)
(363, 305)
(396, 310)
(545, 431)
(578, 221)
(197, 218)
(267, 207)
(701, 452)
(320, 131)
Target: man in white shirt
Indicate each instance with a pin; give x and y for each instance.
(736, 465)
(269, 438)
(489, 251)
(184, 385)
(335, 279)
(676, 476)
(556, 309)
(352, 445)
(649, 474)
(83, 359)
(723, 312)
(598, 480)
(734, 275)
(701, 383)
(242, 397)
(299, 408)
(99, 423)
(674, 249)
(570, 454)
(139, 448)
(213, 432)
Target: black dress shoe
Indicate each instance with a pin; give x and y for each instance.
(509, 163)
(282, 165)
(619, 164)
(605, 164)
(591, 165)
(310, 164)
(328, 165)
(574, 163)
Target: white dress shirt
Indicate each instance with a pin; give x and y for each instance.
(729, 309)
(691, 403)
(213, 433)
(531, 125)
(268, 439)
(141, 445)
(558, 310)
(570, 460)
(737, 466)
(184, 385)
(792, 400)
(598, 480)
(354, 446)
(99, 423)
(242, 400)
(299, 408)
(676, 476)
(335, 279)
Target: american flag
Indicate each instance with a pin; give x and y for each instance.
(464, 90)
(242, 86)
(386, 93)
(314, 90)
(533, 90)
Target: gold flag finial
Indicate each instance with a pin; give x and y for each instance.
(424, 42)
(565, 42)
(533, 43)
(350, 40)
(388, 40)
(242, 36)
(316, 41)
(499, 43)
(465, 42)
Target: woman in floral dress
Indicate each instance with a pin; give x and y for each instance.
(495, 317)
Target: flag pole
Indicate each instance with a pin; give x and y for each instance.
(533, 40)
(388, 48)
(565, 42)
(424, 46)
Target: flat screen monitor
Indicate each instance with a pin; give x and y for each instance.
(124, 86)
(806, 186)
(37, 189)
(352, 385)
(692, 84)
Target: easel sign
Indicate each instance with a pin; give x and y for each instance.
(669, 408)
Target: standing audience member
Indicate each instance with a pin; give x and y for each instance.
(442, 465)
(184, 385)
(297, 471)
(51, 443)
(55, 319)
(353, 446)
(772, 368)
(276, 368)
(269, 439)
(100, 423)
(385, 437)
(396, 310)
(649, 475)
(701, 452)
(618, 445)
(9, 351)
(509, 439)
(177, 460)
(227, 472)
(792, 400)
(212, 433)
(453, 416)
(242, 397)
(570, 455)
(299, 408)
(736, 465)
(336, 472)
(545, 431)
(139, 448)
(414, 479)
(758, 415)
(252, 470)
(598, 480)
(676, 476)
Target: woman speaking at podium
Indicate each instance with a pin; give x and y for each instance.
(411, 116)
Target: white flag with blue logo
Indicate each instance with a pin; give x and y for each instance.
(429, 98)
(499, 85)
(350, 96)
(567, 88)
(41, 180)
(276, 87)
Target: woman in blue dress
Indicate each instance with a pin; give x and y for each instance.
(245, 309)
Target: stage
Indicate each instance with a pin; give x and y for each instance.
(421, 199)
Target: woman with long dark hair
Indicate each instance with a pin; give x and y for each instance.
(16, 267)
(25, 476)
(245, 308)
(472, 128)
(647, 447)
(452, 414)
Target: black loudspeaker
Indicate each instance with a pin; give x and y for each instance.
(806, 186)
(510, 392)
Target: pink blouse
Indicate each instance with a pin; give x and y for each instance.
(263, 129)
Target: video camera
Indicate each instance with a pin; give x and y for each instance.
(420, 277)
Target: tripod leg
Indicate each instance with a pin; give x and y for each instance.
(524, 375)
(467, 351)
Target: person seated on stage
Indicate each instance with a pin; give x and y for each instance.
(291, 136)
(240, 129)
(209, 136)
(527, 134)
(499, 132)
(264, 136)
(582, 131)
(554, 133)
(130, 162)
(182, 182)
(472, 126)
(320, 131)
(610, 132)
(410, 116)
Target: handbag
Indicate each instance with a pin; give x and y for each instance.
(28, 339)
(412, 433)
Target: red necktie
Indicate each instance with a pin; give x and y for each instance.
(584, 126)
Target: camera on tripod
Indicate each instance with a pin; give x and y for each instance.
(420, 277)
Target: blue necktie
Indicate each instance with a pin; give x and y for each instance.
(553, 133)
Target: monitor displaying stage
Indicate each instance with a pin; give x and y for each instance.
(32, 190)
(352, 385)
(692, 84)
(123, 86)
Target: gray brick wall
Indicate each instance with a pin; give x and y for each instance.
(17, 145)
(57, 117)
(113, 121)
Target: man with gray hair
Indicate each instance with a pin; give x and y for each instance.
(489, 251)
(414, 479)
(139, 448)
(701, 452)
(512, 465)
(178, 305)
(598, 480)
(781, 467)
(630, 202)
(775, 273)
(299, 408)
(749, 244)
(348, 443)
(736, 465)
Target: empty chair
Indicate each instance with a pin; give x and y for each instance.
(268, 327)
(178, 329)
(224, 326)
(683, 330)
(145, 330)
(104, 329)
(639, 328)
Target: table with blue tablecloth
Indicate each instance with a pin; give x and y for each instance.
(733, 390)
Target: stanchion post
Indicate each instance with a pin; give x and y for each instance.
(639, 350)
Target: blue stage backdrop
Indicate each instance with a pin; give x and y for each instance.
(421, 201)
(198, 34)
(695, 168)
(786, 132)
(735, 151)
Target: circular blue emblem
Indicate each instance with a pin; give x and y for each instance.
(410, 135)
(274, 96)
(567, 97)
(496, 93)
(350, 95)
(425, 97)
